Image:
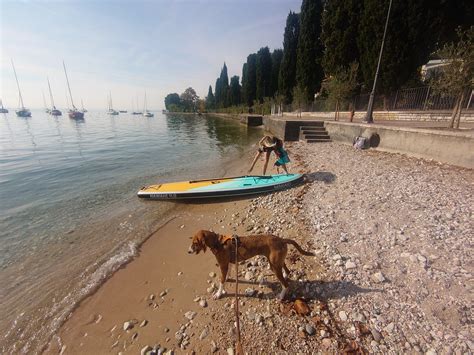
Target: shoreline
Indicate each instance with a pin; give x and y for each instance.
(375, 285)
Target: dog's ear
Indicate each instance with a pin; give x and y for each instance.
(212, 240)
(201, 236)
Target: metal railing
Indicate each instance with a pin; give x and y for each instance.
(412, 99)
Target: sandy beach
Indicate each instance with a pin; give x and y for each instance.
(392, 235)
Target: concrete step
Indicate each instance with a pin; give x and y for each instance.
(317, 136)
(317, 140)
(314, 131)
(315, 126)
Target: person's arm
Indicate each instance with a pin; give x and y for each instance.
(254, 161)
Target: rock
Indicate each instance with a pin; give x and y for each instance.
(212, 274)
(326, 343)
(146, 349)
(350, 265)
(342, 316)
(378, 277)
(151, 297)
(249, 292)
(143, 323)
(180, 273)
(127, 325)
(310, 329)
(203, 303)
(389, 328)
(336, 257)
(248, 276)
(376, 335)
(204, 334)
(230, 351)
(190, 315)
(214, 347)
(134, 336)
(163, 293)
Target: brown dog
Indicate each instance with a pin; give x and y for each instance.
(223, 247)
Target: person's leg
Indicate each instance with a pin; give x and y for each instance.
(267, 158)
(254, 161)
(284, 168)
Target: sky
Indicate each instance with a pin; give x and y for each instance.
(128, 47)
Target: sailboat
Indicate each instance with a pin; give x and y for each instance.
(23, 111)
(146, 113)
(82, 105)
(74, 112)
(2, 109)
(135, 112)
(111, 111)
(46, 109)
(53, 111)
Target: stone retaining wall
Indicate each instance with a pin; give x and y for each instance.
(454, 148)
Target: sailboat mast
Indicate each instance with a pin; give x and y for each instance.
(50, 94)
(18, 85)
(68, 86)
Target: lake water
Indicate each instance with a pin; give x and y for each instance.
(69, 215)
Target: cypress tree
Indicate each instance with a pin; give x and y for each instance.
(224, 86)
(339, 30)
(251, 79)
(411, 37)
(210, 101)
(234, 91)
(277, 56)
(243, 96)
(309, 72)
(217, 94)
(287, 75)
(263, 73)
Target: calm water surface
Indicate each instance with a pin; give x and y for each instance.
(69, 215)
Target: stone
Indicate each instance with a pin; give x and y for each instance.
(163, 293)
(214, 347)
(146, 349)
(248, 276)
(143, 323)
(342, 316)
(378, 277)
(350, 265)
(389, 328)
(204, 334)
(190, 315)
(203, 303)
(310, 329)
(127, 325)
(212, 274)
(249, 292)
(326, 343)
(230, 351)
(376, 335)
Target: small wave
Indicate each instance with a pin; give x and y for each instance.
(62, 309)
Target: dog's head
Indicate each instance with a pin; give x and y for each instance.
(198, 242)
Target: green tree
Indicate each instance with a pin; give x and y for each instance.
(299, 98)
(250, 75)
(172, 99)
(309, 72)
(210, 101)
(341, 87)
(457, 75)
(263, 73)
(243, 96)
(287, 75)
(189, 99)
(217, 94)
(277, 56)
(340, 24)
(234, 91)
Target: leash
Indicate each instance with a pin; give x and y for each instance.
(238, 347)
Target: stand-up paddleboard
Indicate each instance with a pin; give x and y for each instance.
(224, 187)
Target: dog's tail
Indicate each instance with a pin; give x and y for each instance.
(297, 246)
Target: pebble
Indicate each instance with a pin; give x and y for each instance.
(230, 351)
(378, 277)
(127, 325)
(249, 292)
(342, 316)
(190, 315)
(310, 330)
(143, 323)
(163, 293)
(212, 274)
(350, 265)
(376, 335)
(146, 349)
(203, 303)
(204, 334)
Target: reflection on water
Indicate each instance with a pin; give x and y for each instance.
(67, 185)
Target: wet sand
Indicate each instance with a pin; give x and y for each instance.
(163, 267)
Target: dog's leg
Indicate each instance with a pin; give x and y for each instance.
(286, 271)
(221, 290)
(284, 283)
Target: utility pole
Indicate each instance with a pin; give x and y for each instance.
(370, 106)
